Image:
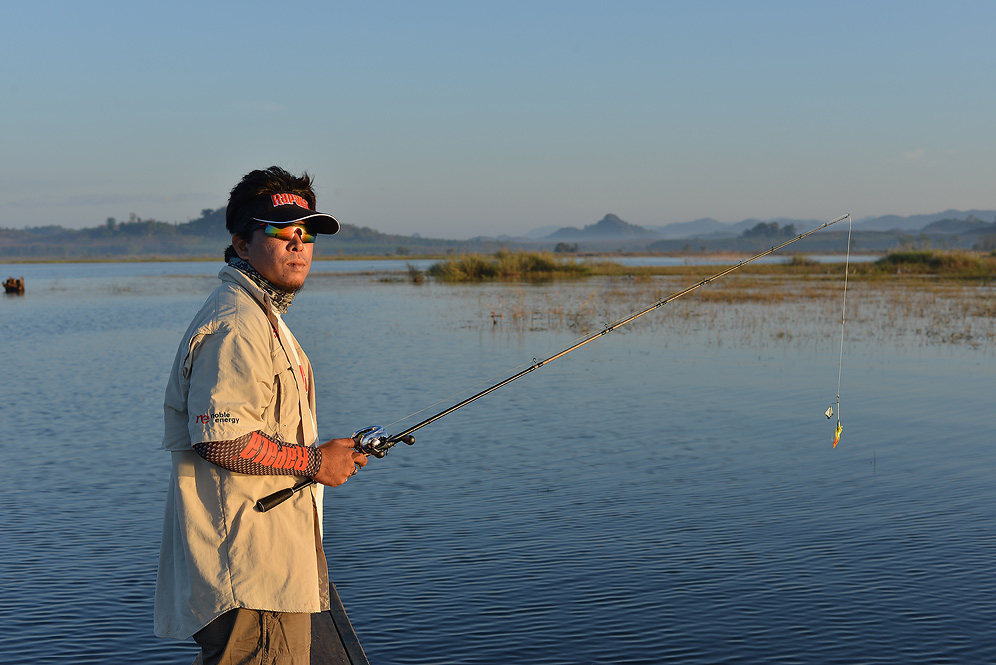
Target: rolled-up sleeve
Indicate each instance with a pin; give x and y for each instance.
(231, 385)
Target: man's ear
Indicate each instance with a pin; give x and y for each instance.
(241, 246)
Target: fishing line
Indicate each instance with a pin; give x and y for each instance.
(843, 309)
(377, 445)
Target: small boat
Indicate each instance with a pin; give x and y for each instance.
(14, 285)
(333, 641)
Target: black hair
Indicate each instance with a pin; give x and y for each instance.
(255, 184)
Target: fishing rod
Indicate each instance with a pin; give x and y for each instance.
(372, 441)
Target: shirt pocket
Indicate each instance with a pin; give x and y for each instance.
(285, 412)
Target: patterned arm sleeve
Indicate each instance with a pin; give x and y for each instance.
(258, 455)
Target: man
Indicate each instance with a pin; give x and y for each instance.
(240, 424)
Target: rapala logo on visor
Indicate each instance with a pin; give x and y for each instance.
(288, 200)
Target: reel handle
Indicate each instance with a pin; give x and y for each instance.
(278, 497)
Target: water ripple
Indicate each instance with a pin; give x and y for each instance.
(639, 503)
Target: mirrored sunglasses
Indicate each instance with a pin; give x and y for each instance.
(288, 232)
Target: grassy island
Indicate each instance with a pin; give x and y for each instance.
(525, 265)
(505, 265)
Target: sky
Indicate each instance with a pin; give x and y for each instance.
(460, 119)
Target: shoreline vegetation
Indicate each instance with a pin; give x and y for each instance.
(907, 298)
(910, 297)
(525, 265)
(755, 311)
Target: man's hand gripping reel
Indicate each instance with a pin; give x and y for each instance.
(369, 441)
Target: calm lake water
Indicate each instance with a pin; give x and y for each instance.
(666, 494)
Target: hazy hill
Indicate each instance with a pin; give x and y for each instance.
(540, 233)
(609, 227)
(970, 225)
(686, 229)
(202, 237)
(918, 222)
(206, 237)
(613, 228)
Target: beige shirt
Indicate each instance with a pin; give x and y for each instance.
(238, 369)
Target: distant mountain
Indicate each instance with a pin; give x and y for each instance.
(206, 237)
(970, 225)
(613, 228)
(202, 237)
(610, 227)
(540, 233)
(918, 222)
(688, 229)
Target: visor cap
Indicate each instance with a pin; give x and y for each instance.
(282, 209)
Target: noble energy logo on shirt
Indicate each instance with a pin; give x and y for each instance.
(223, 417)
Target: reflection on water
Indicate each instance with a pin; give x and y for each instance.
(665, 494)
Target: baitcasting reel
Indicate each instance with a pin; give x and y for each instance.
(372, 441)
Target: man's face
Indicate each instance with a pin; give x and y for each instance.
(284, 263)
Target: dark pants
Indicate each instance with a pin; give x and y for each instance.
(254, 637)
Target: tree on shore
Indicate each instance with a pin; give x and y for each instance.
(770, 230)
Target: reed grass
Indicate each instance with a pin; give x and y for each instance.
(521, 265)
(415, 276)
(957, 264)
(505, 265)
(906, 298)
(758, 311)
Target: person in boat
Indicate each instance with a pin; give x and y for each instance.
(240, 424)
